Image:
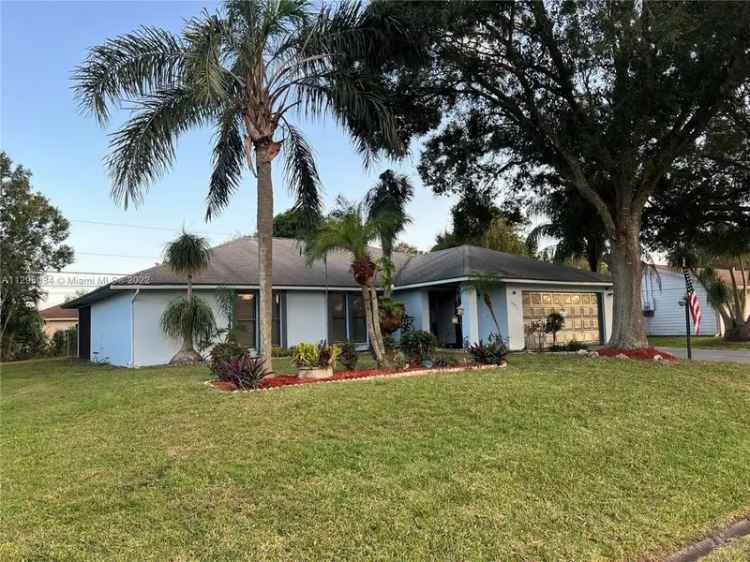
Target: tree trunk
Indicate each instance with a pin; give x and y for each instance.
(190, 287)
(388, 255)
(629, 329)
(265, 257)
(376, 343)
(488, 303)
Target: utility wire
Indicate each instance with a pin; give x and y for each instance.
(146, 227)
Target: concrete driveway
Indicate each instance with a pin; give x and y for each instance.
(726, 355)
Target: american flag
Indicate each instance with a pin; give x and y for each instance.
(693, 302)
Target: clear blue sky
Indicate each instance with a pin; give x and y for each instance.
(41, 128)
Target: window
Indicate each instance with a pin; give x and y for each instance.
(245, 310)
(357, 321)
(337, 317)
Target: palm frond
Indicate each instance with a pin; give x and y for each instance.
(127, 67)
(228, 159)
(540, 231)
(205, 38)
(196, 315)
(145, 146)
(302, 176)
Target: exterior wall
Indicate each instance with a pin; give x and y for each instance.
(306, 317)
(417, 305)
(52, 326)
(669, 316)
(151, 346)
(111, 330)
(487, 326)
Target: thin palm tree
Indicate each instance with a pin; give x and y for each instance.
(349, 228)
(245, 70)
(191, 317)
(389, 198)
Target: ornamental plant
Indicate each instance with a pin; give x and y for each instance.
(418, 344)
(491, 353)
(245, 372)
(349, 356)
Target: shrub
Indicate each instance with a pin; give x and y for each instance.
(445, 361)
(223, 352)
(574, 345)
(64, 342)
(553, 324)
(492, 353)
(245, 372)
(417, 344)
(282, 352)
(349, 356)
(308, 355)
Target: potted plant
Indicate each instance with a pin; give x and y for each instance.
(316, 361)
(391, 315)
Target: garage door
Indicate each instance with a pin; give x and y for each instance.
(580, 310)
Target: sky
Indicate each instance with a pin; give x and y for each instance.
(42, 128)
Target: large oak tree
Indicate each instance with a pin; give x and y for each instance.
(605, 94)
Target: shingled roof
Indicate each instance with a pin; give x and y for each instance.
(466, 261)
(234, 264)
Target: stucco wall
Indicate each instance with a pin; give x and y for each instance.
(486, 323)
(417, 305)
(306, 317)
(669, 316)
(151, 346)
(111, 330)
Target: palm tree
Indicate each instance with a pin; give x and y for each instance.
(242, 69)
(190, 317)
(350, 228)
(389, 197)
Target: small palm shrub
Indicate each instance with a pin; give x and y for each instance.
(349, 356)
(245, 372)
(418, 344)
(553, 324)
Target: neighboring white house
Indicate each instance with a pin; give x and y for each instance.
(119, 323)
(661, 293)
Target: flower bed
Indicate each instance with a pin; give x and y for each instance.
(648, 353)
(291, 380)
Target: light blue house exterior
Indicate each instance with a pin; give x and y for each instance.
(119, 323)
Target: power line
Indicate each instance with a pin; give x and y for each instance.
(146, 227)
(117, 256)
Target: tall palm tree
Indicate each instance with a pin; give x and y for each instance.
(190, 317)
(389, 198)
(350, 228)
(245, 69)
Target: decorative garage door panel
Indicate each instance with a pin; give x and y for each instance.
(580, 310)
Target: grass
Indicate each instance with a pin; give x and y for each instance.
(705, 342)
(553, 458)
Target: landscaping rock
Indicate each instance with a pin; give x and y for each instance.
(622, 356)
(582, 352)
(658, 358)
(593, 354)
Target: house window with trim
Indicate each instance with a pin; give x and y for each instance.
(245, 316)
(346, 318)
(357, 321)
(337, 330)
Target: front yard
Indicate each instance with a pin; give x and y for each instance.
(553, 458)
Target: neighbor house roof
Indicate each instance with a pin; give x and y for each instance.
(466, 261)
(234, 265)
(57, 312)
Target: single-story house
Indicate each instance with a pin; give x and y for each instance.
(57, 318)
(661, 293)
(119, 322)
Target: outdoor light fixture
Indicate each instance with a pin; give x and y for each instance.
(246, 297)
(460, 310)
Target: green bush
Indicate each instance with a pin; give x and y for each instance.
(308, 355)
(64, 342)
(223, 352)
(574, 345)
(418, 344)
(349, 356)
(282, 352)
(444, 361)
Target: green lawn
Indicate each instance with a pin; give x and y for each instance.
(553, 458)
(706, 342)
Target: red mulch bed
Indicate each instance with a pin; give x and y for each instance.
(287, 380)
(647, 353)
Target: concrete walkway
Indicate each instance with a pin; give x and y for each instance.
(726, 355)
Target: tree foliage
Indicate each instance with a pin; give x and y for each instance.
(32, 236)
(605, 95)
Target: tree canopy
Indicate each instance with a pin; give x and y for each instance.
(32, 238)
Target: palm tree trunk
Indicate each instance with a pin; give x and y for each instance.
(488, 302)
(265, 255)
(376, 320)
(388, 255)
(375, 342)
